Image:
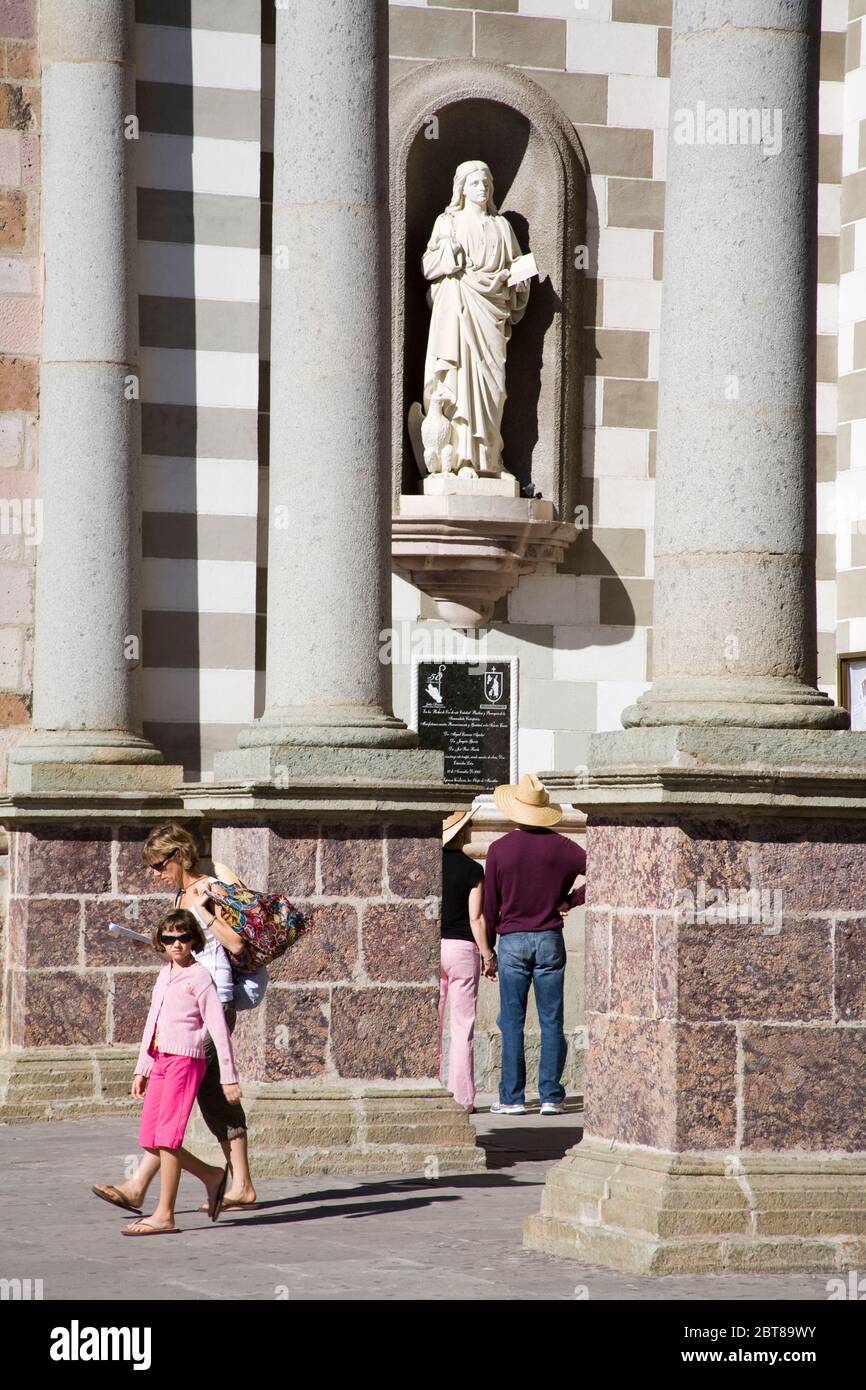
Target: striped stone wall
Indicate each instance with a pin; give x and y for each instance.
(199, 90)
(851, 458)
(830, 125)
(20, 334)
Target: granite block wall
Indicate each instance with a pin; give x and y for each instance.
(728, 960)
(355, 999)
(67, 982)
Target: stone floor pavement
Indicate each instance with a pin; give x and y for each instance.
(317, 1238)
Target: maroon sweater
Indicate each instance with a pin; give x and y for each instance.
(529, 872)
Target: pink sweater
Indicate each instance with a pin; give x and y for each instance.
(187, 1007)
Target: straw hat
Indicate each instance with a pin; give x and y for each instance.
(527, 803)
(453, 824)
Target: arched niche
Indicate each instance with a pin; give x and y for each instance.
(441, 114)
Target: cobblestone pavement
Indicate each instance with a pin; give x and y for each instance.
(317, 1238)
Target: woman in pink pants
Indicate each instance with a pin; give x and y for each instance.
(463, 950)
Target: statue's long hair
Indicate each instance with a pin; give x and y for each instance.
(461, 174)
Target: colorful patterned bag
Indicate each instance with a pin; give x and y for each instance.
(268, 923)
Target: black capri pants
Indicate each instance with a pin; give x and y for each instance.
(223, 1119)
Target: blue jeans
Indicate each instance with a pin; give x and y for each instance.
(537, 958)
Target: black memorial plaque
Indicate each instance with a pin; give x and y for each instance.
(464, 709)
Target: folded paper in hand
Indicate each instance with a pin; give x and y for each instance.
(117, 930)
(522, 269)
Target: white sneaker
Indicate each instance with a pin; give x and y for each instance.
(552, 1107)
(497, 1109)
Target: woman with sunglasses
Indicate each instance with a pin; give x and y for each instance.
(184, 1009)
(172, 853)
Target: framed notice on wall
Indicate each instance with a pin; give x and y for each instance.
(851, 686)
(468, 709)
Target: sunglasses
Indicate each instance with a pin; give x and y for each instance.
(160, 864)
(169, 940)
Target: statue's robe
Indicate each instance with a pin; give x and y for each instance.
(469, 330)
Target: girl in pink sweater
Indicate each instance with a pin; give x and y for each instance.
(184, 1008)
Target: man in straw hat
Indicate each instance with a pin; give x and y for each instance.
(528, 889)
(463, 950)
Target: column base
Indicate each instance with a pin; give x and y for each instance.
(294, 1131)
(723, 702)
(354, 726)
(640, 771)
(644, 1211)
(89, 760)
(328, 776)
(65, 1083)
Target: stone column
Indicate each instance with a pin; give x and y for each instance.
(72, 995)
(329, 522)
(734, 596)
(725, 895)
(88, 633)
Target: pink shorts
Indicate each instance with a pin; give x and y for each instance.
(171, 1091)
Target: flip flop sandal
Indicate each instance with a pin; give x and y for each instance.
(117, 1200)
(152, 1230)
(229, 1204)
(215, 1207)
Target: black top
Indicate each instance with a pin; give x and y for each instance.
(460, 874)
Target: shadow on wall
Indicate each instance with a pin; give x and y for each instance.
(586, 557)
(523, 366)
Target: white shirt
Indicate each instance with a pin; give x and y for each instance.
(215, 958)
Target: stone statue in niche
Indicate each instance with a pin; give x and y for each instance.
(479, 291)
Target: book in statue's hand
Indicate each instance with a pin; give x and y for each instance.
(522, 269)
(127, 931)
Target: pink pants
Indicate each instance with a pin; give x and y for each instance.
(171, 1091)
(459, 970)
